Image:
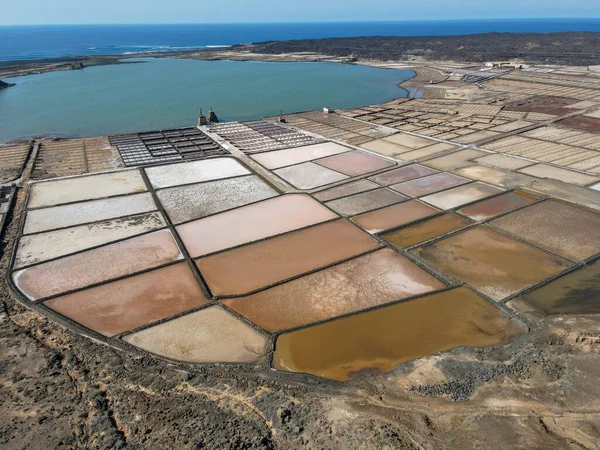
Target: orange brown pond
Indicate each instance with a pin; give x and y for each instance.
(497, 205)
(127, 304)
(374, 279)
(251, 223)
(386, 337)
(255, 266)
(394, 216)
(98, 265)
(575, 293)
(424, 231)
(355, 163)
(491, 262)
(566, 230)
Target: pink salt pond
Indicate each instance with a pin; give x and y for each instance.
(288, 157)
(355, 163)
(251, 223)
(98, 265)
(403, 174)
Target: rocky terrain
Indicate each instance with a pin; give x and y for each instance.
(551, 48)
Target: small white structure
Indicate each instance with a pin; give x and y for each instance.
(328, 110)
(504, 64)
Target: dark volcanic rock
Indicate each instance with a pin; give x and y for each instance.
(4, 85)
(570, 48)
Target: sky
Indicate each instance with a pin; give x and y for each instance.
(30, 12)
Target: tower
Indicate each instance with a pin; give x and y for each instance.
(202, 119)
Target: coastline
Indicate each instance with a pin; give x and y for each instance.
(565, 48)
(16, 68)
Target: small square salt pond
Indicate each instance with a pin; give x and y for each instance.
(504, 161)
(497, 177)
(491, 262)
(365, 201)
(354, 187)
(355, 163)
(309, 175)
(385, 148)
(430, 184)
(185, 203)
(566, 230)
(425, 231)
(455, 160)
(223, 339)
(394, 216)
(91, 187)
(497, 205)
(402, 174)
(461, 195)
(92, 211)
(291, 156)
(408, 140)
(194, 172)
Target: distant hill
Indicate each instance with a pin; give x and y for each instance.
(570, 48)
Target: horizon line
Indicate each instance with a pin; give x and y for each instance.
(484, 19)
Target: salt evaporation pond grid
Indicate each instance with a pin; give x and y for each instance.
(305, 268)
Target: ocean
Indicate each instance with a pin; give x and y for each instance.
(166, 93)
(34, 42)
